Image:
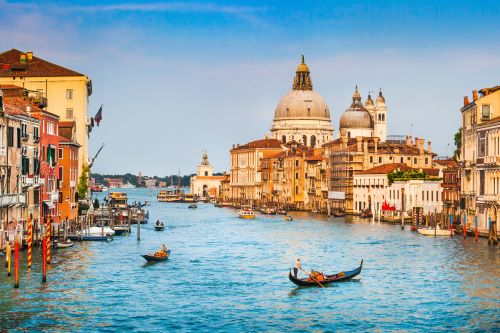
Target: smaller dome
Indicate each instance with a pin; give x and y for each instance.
(356, 116)
(369, 101)
(380, 98)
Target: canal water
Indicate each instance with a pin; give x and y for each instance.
(231, 275)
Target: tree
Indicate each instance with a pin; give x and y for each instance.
(83, 185)
(458, 142)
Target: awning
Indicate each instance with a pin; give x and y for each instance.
(49, 204)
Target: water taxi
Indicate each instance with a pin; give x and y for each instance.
(246, 213)
(169, 196)
(119, 200)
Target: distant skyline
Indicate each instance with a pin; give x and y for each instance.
(177, 77)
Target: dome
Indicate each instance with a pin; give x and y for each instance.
(356, 116)
(302, 67)
(302, 104)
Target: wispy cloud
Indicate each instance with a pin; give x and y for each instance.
(168, 7)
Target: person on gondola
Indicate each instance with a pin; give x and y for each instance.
(157, 222)
(163, 248)
(298, 266)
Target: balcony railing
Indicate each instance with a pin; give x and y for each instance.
(12, 199)
(489, 198)
(492, 160)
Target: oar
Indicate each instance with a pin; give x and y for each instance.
(322, 286)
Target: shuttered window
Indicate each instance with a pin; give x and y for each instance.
(10, 136)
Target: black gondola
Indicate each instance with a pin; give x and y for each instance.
(152, 258)
(193, 206)
(339, 277)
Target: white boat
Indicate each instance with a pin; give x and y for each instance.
(246, 213)
(434, 232)
(98, 231)
(62, 245)
(127, 185)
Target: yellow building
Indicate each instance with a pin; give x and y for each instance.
(480, 157)
(66, 91)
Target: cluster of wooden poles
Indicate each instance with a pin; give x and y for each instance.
(17, 245)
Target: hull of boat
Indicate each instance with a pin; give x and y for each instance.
(432, 232)
(159, 227)
(63, 245)
(247, 217)
(90, 238)
(339, 277)
(152, 258)
(120, 231)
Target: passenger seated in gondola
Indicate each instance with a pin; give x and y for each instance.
(316, 276)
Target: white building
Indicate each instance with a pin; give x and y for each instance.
(371, 189)
(302, 115)
(205, 185)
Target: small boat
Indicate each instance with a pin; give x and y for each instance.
(127, 185)
(339, 277)
(120, 230)
(65, 244)
(193, 206)
(282, 212)
(435, 232)
(159, 227)
(289, 218)
(155, 257)
(90, 238)
(338, 213)
(98, 231)
(246, 213)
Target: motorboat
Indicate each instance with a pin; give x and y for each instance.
(65, 244)
(120, 230)
(159, 226)
(193, 206)
(246, 213)
(435, 231)
(99, 231)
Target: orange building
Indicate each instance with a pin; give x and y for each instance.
(68, 171)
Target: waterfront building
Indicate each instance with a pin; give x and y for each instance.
(204, 184)
(316, 183)
(67, 90)
(372, 188)
(225, 189)
(451, 185)
(302, 115)
(114, 182)
(51, 198)
(245, 172)
(349, 156)
(68, 171)
(480, 157)
(150, 182)
(19, 166)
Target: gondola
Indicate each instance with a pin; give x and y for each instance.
(152, 258)
(193, 206)
(339, 277)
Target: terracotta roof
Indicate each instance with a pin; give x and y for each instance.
(431, 172)
(314, 158)
(67, 123)
(17, 106)
(385, 169)
(210, 177)
(34, 68)
(265, 143)
(449, 162)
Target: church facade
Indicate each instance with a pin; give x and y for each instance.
(205, 185)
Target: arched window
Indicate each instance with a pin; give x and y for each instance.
(348, 134)
(283, 138)
(313, 141)
(304, 140)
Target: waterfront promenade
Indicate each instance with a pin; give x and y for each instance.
(228, 274)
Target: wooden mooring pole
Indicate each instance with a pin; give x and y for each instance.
(16, 263)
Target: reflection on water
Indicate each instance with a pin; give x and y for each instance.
(228, 274)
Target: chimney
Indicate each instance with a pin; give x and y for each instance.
(421, 143)
(358, 142)
(415, 144)
(375, 140)
(466, 100)
(22, 58)
(429, 146)
(29, 55)
(28, 109)
(474, 95)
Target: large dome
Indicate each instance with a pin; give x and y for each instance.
(356, 116)
(302, 104)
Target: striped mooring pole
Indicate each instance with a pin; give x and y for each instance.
(30, 240)
(8, 256)
(44, 259)
(16, 263)
(48, 240)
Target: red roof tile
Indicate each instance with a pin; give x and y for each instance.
(385, 169)
(265, 143)
(34, 68)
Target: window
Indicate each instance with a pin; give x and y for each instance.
(296, 189)
(313, 141)
(371, 159)
(283, 139)
(415, 160)
(380, 159)
(60, 153)
(60, 173)
(296, 175)
(10, 137)
(69, 113)
(18, 130)
(401, 160)
(206, 173)
(296, 163)
(36, 135)
(69, 93)
(24, 131)
(304, 140)
(426, 160)
(485, 114)
(50, 128)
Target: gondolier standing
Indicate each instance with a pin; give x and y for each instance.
(298, 265)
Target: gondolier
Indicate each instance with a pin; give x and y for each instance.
(298, 265)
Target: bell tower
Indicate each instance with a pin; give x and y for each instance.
(205, 168)
(380, 119)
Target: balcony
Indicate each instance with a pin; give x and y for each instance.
(36, 139)
(24, 136)
(7, 200)
(488, 198)
(493, 160)
(72, 183)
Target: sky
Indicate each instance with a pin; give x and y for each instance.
(177, 77)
